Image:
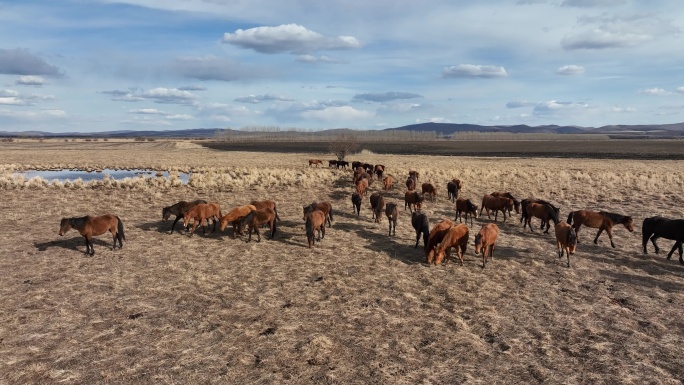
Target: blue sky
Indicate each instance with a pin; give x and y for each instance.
(102, 65)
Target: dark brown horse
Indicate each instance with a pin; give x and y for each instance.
(516, 203)
(413, 198)
(601, 220)
(235, 216)
(410, 184)
(541, 211)
(326, 207)
(377, 204)
(421, 224)
(179, 209)
(429, 189)
(496, 204)
(659, 227)
(379, 170)
(315, 221)
(256, 218)
(90, 227)
(202, 213)
(453, 187)
(356, 202)
(392, 216)
(523, 209)
(465, 206)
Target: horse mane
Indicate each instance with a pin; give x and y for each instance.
(247, 218)
(470, 205)
(616, 218)
(77, 221)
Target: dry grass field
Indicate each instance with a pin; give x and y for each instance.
(359, 308)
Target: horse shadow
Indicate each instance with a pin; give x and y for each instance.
(645, 281)
(70, 243)
(339, 195)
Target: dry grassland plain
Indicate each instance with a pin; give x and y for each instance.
(359, 308)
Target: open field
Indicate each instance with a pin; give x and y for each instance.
(361, 307)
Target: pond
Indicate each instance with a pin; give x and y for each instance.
(71, 175)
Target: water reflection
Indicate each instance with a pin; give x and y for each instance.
(71, 175)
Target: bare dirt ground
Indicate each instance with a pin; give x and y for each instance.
(361, 307)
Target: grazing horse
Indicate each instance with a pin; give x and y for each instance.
(496, 204)
(413, 198)
(601, 220)
(421, 224)
(410, 184)
(264, 204)
(436, 236)
(541, 211)
(356, 201)
(428, 188)
(467, 207)
(256, 218)
(485, 240)
(566, 240)
(392, 216)
(453, 187)
(235, 216)
(387, 182)
(379, 170)
(414, 175)
(90, 227)
(362, 187)
(368, 168)
(332, 163)
(456, 237)
(178, 210)
(516, 203)
(315, 162)
(659, 227)
(326, 207)
(202, 212)
(343, 164)
(315, 221)
(377, 204)
(523, 209)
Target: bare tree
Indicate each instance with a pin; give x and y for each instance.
(344, 144)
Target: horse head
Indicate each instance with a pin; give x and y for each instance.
(166, 213)
(478, 243)
(64, 226)
(629, 223)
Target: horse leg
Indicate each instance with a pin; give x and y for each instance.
(657, 249)
(417, 238)
(597, 235)
(114, 236)
(547, 227)
(577, 226)
(610, 236)
(674, 247)
(173, 226)
(256, 230)
(87, 250)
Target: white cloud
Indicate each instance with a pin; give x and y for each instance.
(655, 91)
(30, 80)
(169, 95)
(256, 99)
(179, 117)
(400, 108)
(14, 98)
(332, 114)
(519, 104)
(680, 90)
(620, 109)
(474, 71)
(292, 38)
(605, 31)
(147, 111)
(554, 107)
(319, 59)
(435, 119)
(32, 116)
(570, 70)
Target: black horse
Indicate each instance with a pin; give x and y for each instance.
(179, 209)
(659, 227)
(356, 201)
(421, 224)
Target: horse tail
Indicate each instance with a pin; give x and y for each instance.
(426, 235)
(247, 218)
(274, 228)
(553, 214)
(570, 217)
(276, 213)
(330, 213)
(309, 228)
(646, 232)
(120, 230)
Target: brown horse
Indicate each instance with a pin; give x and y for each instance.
(659, 227)
(234, 216)
(315, 221)
(256, 218)
(414, 175)
(516, 203)
(523, 209)
(410, 184)
(362, 187)
(566, 240)
(435, 237)
(179, 209)
(485, 240)
(541, 211)
(467, 207)
(379, 170)
(202, 212)
(429, 189)
(264, 204)
(456, 237)
(601, 220)
(90, 227)
(315, 162)
(413, 198)
(496, 204)
(392, 216)
(453, 187)
(387, 182)
(326, 207)
(377, 204)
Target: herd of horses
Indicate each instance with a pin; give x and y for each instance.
(437, 242)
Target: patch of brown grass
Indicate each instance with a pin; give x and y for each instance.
(360, 308)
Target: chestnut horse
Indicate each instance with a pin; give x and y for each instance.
(178, 210)
(202, 212)
(315, 221)
(541, 211)
(392, 216)
(421, 224)
(90, 227)
(485, 240)
(387, 182)
(413, 198)
(379, 170)
(435, 237)
(467, 207)
(659, 227)
(326, 207)
(377, 204)
(516, 203)
(264, 204)
(601, 220)
(235, 216)
(315, 162)
(362, 187)
(497, 204)
(256, 218)
(429, 189)
(566, 240)
(456, 237)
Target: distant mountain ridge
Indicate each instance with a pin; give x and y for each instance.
(446, 129)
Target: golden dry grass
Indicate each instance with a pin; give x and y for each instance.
(360, 308)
